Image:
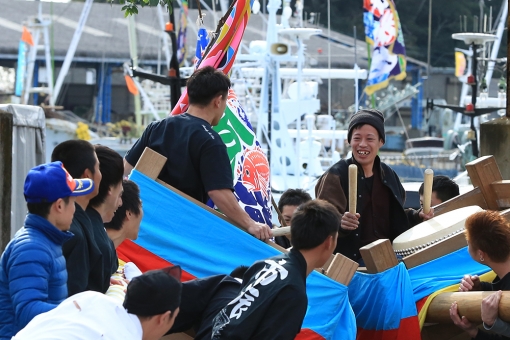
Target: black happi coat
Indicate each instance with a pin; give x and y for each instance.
(271, 304)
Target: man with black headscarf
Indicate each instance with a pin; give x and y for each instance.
(380, 210)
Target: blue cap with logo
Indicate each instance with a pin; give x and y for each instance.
(46, 183)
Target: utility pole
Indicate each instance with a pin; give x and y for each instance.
(6, 125)
(429, 43)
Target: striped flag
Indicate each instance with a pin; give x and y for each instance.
(386, 42)
(177, 231)
(223, 50)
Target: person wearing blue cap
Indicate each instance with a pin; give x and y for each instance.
(33, 276)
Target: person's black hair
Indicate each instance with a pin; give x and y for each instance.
(444, 187)
(77, 156)
(130, 202)
(43, 209)
(111, 166)
(239, 271)
(312, 223)
(206, 84)
(294, 197)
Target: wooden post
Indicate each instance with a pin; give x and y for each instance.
(342, 269)
(378, 256)
(502, 191)
(483, 172)
(6, 125)
(473, 197)
(469, 305)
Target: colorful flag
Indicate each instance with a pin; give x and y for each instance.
(384, 36)
(460, 64)
(202, 42)
(176, 231)
(250, 168)
(384, 305)
(222, 52)
(181, 35)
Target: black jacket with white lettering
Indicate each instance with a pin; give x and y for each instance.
(272, 302)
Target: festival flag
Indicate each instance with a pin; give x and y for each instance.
(181, 35)
(250, 168)
(460, 64)
(202, 42)
(387, 50)
(384, 305)
(223, 49)
(176, 231)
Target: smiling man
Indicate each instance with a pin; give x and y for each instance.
(379, 209)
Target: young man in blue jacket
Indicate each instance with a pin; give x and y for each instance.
(33, 276)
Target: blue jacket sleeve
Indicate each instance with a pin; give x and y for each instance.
(29, 275)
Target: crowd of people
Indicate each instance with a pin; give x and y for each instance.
(58, 270)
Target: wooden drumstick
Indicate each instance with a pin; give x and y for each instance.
(427, 190)
(281, 231)
(353, 188)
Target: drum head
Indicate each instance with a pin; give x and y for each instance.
(433, 230)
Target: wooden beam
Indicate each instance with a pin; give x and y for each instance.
(469, 305)
(483, 172)
(378, 256)
(6, 125)
(502, 191)
(151, 163)
(436, 250)
(472, 197)
(342, 269)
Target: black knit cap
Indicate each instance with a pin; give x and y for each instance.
(154, 292)
(371, 117)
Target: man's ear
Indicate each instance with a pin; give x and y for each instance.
(59, 205)
(328, 242)
(87, 174)
(163, 318)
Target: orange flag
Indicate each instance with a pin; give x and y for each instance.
(26, 37)
(131, 85)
